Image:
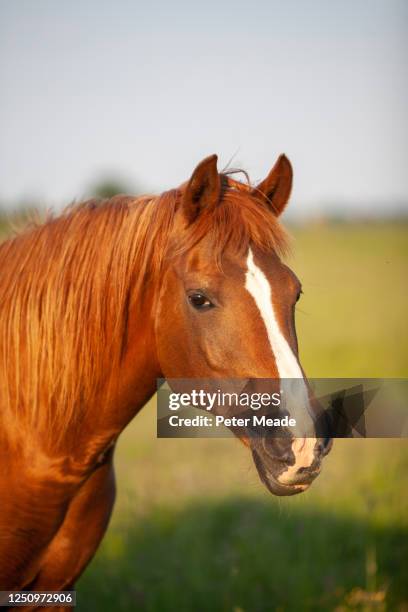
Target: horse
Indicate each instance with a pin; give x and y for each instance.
(97, 304)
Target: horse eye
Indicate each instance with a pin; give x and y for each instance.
(199, 301)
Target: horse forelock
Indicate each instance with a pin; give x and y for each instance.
(240, 219)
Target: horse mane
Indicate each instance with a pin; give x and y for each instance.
(66, 287)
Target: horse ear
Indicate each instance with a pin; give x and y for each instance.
(276, 187)
(203, 189)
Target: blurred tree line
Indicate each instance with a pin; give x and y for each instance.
(17, 214)
(110, 186)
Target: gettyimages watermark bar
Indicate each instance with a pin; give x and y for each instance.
(322, 407)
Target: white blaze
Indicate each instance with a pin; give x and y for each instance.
(258, 286)
(294, 393)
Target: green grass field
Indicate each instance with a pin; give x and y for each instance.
(194, 530)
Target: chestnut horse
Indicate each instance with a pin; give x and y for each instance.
(99, 303)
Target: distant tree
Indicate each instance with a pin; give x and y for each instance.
(109, 187)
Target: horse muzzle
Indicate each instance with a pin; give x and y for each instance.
(288, 466)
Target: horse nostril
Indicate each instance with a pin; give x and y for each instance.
(326, 445)
(323, 446)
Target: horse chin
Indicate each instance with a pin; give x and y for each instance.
(280, 489)
(273, 485)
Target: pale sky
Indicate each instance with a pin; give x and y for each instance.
(144, 90)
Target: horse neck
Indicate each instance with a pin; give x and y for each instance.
(134, 384)
(139, 370)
